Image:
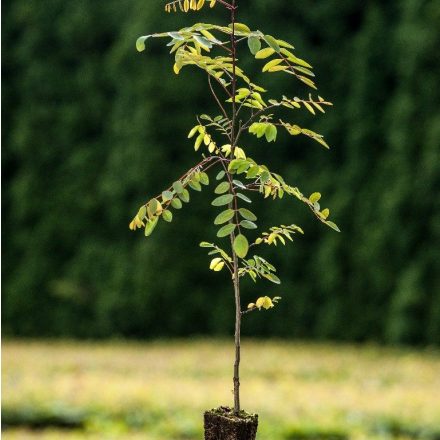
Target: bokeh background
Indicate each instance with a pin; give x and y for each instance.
(92, 129)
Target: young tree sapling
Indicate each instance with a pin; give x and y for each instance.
(243, 107)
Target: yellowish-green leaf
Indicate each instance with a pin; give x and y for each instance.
(264, 302)
(193, 131)
(307, 81)
(272, 63)
(278, 69)
(199, 141)
(264, 53)
(142, 212)
(333, 226)
(283, 43)
(325, 213)
(315, 197)
(241, 27)
(270, 132)
(309, 107)
(140, 43)
(151, 224)
(252, 171)
(216, 264)
(153, 206)
(259, 303)
(176, 204)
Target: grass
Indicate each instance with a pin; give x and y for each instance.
(159, 390)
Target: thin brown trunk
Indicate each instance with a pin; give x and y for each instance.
(236, 279)
(237, 338)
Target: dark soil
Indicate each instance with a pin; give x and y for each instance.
(222, 424)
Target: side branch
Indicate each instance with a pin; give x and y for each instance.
(204, 165)
(216, 98)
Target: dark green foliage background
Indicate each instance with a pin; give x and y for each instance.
(91, 129)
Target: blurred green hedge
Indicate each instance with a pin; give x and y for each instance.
(91, 129)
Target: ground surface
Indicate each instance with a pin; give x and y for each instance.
(160, 390)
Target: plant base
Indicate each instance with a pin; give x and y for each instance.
(222, 424)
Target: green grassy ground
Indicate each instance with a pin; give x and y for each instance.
(159, 390)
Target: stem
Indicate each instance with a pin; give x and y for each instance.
(237, 332)
(216, 98)
(235, 277)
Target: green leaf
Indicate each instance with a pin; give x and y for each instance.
(220, 175)
(167, 195)
(265, 176)
(140, 43)
(315, 197)
(242, 167)
(203, 41)
(224, 217)
(223, 200)
(176, 204)
(222, 188)
(176, 36)
(178, 187)
(248, 224)
(254, 44)
(184, 196)
(243, 197)
(271, 133)
(226, 230)
(167, 216)
(204, 179)
(235, 163)
(149, 227)
(272, 42)
(239, 184)
(272, 277)
(241, 245)
(195, 185)
(205, 244)
(153, 206)
(264, 53)
(246, 214)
